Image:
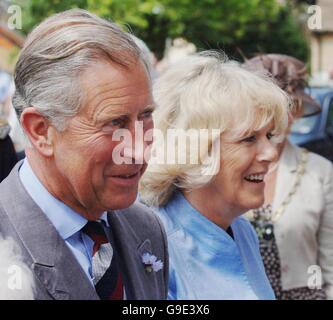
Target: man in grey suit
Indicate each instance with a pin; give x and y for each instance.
(82, 87)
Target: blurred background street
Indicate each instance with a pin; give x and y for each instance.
(173, 29)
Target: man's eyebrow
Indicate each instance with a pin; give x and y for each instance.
(150, 107)
(111, 115)
(120, 114)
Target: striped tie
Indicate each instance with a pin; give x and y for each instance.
(106, 275)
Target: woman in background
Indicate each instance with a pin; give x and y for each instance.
(295, 224)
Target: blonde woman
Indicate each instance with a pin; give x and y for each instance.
(214, 252)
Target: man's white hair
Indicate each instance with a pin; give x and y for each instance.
(57, 52)
(16, 279)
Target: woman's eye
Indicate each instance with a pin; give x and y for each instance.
(249, 139)
(269, 135)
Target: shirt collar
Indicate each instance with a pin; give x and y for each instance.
(66, 221)
(104, 217)
(181, 211)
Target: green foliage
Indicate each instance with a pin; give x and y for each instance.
(34, 11)
(247, 26)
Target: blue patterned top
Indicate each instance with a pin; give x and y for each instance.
(206, 262)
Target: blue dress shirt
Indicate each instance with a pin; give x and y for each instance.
(66, 221)
(206, 262)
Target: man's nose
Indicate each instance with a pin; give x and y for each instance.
(137, 150)
(267, 151)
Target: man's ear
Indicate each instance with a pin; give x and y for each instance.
(38, 130)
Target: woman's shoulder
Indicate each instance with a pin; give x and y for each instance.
(243, 222)
(245, 230)
(317, 166)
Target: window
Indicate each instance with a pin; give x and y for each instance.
(329, 123)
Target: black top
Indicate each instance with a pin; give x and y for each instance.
(230, 233)
(8, 157)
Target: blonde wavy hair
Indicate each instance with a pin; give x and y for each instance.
(208, 91)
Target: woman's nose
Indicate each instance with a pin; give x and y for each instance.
(267, 151)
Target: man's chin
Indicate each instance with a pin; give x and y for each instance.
(122, 202)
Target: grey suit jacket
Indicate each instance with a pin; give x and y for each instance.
(57, 273)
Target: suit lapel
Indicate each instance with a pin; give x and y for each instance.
(286, 175)
(53, 263)
(139, 284)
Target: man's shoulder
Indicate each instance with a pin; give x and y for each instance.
(136, 207)
(138, 213)
(139, 216)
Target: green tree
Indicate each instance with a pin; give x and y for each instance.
(235, 26)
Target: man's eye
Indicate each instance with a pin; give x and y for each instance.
(114, 124)
(117, 122)
(249, 139)
(146, 114)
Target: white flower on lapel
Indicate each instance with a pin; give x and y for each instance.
(151, 263)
